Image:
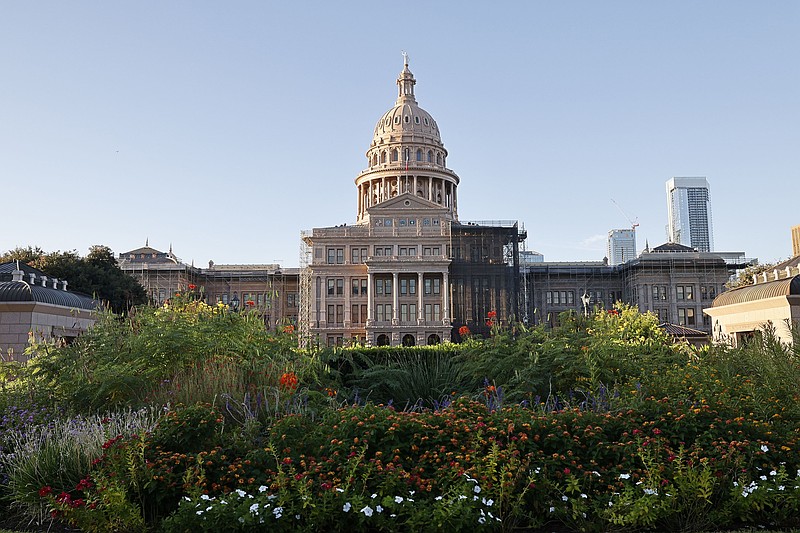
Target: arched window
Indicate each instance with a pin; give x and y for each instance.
(438, 159)
(433, 338)
(382, 340)
(394, 154)
(383, 157)
(430, 156)
(409, 340)
(419, 154)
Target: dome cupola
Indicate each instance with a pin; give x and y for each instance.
(406, 155)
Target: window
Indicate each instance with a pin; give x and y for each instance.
(291, 299)
(407, 251)
(383, 312)
(433, 285)
(686, 316)
(335, 286)
(383, 286)
(408, 286)
(430, 156)
(384, 250)
(408, 312)
(561, 297)
(659, 292)
(432, 312)
(335, 256)
(708, 292)
(684, 292)
(358, 313)
(663, 315)
(419, 152)
(358, 255)
(394, 154)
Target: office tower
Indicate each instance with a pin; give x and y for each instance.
(689, 212)
(795, 240)
(621, 246)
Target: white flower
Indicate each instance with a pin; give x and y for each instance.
(367, 510)
(650, 492)
(278, 512)
(487, 503)
(200, 512)
(611, 504)
(297, 517)
(241, 520)
(624, 476)
(411, 492)
(186, 498)
(254, 508)
(205, 497)
(262, 488)
(346, 507)
(781, 487)
(764, 448)
(223, 502)
(241, 493)
(462, 497)
(583, 495)
(596, 473)
(374, 496)
(564, 498)
(398, 499)
(745, 493)
(477, 489)
(552, 509)
(339, 490)
(438, 498)
(773, 473)
(762, 478)
(539, 470)
(379, 508)
(481, 520)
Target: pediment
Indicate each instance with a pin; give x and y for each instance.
(405, 202)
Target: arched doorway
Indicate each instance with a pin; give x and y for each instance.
(409, 340)
(382, 340)
(433, 338)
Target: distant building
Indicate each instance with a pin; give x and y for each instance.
(773, 300)
(32, 304)
(530, 256)
(672, 281)
(796, 240)
(621, 246)
(689, 213)
(267, 289)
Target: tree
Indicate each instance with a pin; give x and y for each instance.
(97, 275)
(745, 276)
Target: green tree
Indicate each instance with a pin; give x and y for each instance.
(97, 275)
(745, 277)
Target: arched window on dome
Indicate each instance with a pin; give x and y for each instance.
(394, 154)
(438, 159)
(383, 157)
(419, 154)
(430, 156)
(444, 161)
(374, 159)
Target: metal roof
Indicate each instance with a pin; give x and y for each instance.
(759, 291)
(677, 330)
(20, 291)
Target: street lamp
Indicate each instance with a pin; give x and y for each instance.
(235, 302)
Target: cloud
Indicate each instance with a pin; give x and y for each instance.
(594, 242)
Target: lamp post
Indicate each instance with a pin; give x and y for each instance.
(235, 302)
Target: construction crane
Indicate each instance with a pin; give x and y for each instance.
(634, 223)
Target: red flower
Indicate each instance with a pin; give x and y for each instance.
(463, 331)
(249, 303)
(492, 314)
(45, 491)
(567, 471)
(289, 381)
(192, 286)
(489, 323)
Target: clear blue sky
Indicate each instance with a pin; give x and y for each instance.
(226, 128)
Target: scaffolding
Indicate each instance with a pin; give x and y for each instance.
(304, 317)
(484, 273)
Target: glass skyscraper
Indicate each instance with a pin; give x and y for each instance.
(689, 212)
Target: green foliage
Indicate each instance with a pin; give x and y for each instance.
(97, 275)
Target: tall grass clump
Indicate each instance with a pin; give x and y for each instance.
(60, 454)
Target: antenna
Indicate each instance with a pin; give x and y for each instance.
(634, 223)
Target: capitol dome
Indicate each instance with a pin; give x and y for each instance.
(406, 155)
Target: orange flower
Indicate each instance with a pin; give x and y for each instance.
(463, 331)
(288, 329)
(289, 381)
(249, 303)
(192, 286)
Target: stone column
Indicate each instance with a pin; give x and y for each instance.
(395, 299)
(445, 299)
(370, 298)
(420, 305)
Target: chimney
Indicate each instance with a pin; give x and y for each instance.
(44, 281)
(55, 283)
(63, 284)
(17, 275)
(33, 279)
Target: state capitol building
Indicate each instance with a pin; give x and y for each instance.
(410, 272)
